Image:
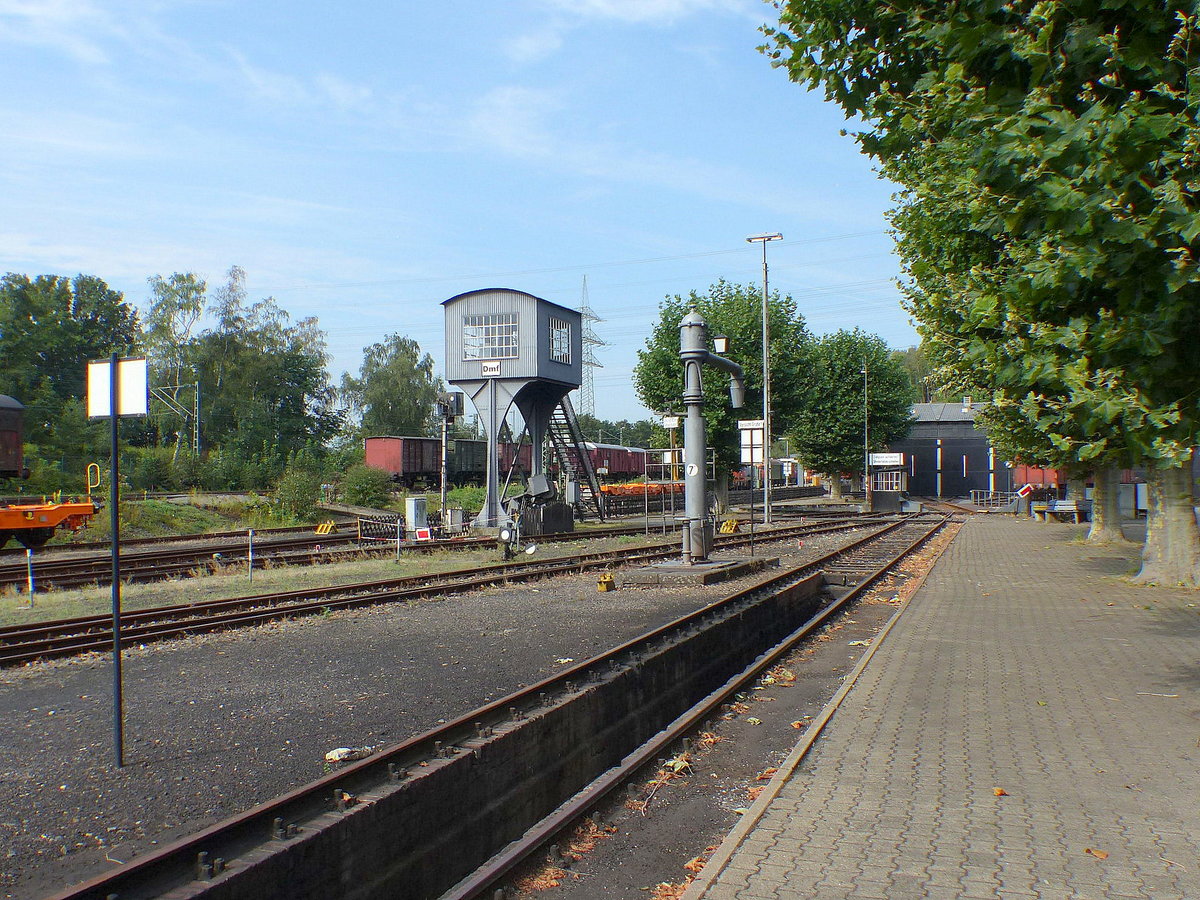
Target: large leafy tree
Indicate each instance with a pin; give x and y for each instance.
(265, 391)
(827, 432)
(395, 391)
(735, 311)
(1049, 157)
(50, 328)
(174, 310)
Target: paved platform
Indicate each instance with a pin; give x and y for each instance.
(1024, 665)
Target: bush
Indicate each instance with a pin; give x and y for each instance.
(364, 486)
(297, 493)
(151, 469)
(469, 497)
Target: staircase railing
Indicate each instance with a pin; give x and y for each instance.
(571, 451)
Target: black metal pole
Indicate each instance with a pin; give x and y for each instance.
(114, 521)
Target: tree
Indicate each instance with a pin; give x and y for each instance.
(827, 432)
(50, 328)
(735, 311)
(1048, 154)
(395, 391)
(176, 304)
(264, 381)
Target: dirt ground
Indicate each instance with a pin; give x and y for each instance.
(218, 723)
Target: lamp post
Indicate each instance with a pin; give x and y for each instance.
(866, 443)
(764, 239)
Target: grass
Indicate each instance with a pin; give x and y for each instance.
(233, 582)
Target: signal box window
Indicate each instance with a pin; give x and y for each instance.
(490, 337)
(560, 341)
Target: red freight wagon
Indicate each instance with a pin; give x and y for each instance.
(409, 460)
(522, 452)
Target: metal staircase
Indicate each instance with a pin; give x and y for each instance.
(573, 460)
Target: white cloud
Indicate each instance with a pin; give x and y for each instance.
(535, 45)
(75, 27)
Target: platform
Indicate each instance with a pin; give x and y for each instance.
(1029, 727)
(710, 571)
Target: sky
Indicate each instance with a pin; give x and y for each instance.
(364, 161)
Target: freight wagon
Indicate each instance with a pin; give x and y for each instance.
(10, 437)
(416, 461)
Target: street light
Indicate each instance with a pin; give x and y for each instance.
(866, 444)
(766, 338)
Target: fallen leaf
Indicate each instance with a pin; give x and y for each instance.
(695, 864)
(542, 880)
(1041, 703)
(753, 793)
(859, 644)
(1099, 854)
(1000, 792)
(798, 725)
(668, 891)
(766, 774)
(753, 721)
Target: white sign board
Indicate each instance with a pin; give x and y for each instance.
(133, 388)
(751, 424)
(752, 445)
(491, 369)
(670, 422)
(887, 459)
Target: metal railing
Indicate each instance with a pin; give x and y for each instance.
(993, 499)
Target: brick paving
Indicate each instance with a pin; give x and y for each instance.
(1025, 664)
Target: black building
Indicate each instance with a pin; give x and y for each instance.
(945, 455)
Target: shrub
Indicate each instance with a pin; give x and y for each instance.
(364, 486)
(297, 493)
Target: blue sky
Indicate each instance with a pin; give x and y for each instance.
(365, 161)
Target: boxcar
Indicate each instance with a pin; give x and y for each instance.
(10, 437)
(411, 461)
(468, 462)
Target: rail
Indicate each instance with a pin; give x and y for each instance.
(481, 792)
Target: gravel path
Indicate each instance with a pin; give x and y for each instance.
(218, 723)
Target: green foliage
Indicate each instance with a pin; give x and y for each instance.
(469, 497)
(364, 486)
(296, 494)
(154, 518)
(50, 328)
(623, 432)
(395, 390)
(827, 431)
(1049, 156)
(735, 311)
(150, 469)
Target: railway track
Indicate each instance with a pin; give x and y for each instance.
(482, 792)
(281, 548)
(137, 543)
(21, 644)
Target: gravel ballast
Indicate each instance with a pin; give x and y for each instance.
(216, 724)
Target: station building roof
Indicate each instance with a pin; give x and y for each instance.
(7, 402)
(946, 412)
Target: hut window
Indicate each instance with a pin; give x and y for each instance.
(560, 340)
(490, 336)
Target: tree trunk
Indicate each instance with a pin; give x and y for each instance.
(1106, 508)
(835, 487)
(1171, 555)
(1075, 484)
